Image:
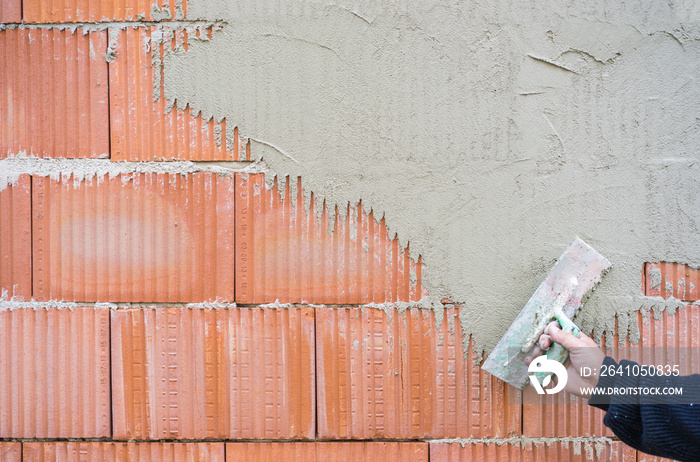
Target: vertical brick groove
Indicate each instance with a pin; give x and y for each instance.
(185, 373)
(114, 452)
(143, 125)
(399, 375)
(561, 415)
(284, 253)
(55, 373)
(15, 243)
(61, 11)
(10, 11)
(556, 451)
(11, 452)
(672, 280)
(134, 238)
(366, 451)
(54, 103)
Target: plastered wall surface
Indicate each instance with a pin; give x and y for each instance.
(488, 133)
(486, 136)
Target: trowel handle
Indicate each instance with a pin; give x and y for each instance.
(556, 351)
(567, 325)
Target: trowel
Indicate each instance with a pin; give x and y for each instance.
(558, 298)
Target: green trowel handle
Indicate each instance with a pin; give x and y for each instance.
(567, 324)
(556, 351)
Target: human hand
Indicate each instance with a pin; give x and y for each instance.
(583, 352)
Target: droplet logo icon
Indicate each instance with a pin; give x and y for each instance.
(543, 365)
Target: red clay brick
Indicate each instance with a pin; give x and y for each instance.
(284, 253)
(42, 11)
(664, 339)
(672, 280)
(531, 452)
(134, 238)
(122, 452)
(10, 11)
(54, 98)
(11, 452)
(396, 376)
(668, 339)
(15, 244)
(54, 367)
(327, 452)
(181, 373)
(561, 415)
(142, 125)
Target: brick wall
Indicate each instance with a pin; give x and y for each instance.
(189, 325)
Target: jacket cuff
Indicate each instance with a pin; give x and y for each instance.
(598, 398)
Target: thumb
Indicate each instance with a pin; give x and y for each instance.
(565, 339)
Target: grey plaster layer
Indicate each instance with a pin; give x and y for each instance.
(489, 133)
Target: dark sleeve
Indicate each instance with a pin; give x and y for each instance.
(667, 426)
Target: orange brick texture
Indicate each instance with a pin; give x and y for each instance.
(169, 238)
(10, 11)
(54, 100)
(16, 244)
(328, 452)
(98, 94)
(55, 368)
(117, 452)
(240, 373)
(62, 11)
(532, 452)
(286, 254)
(143, 124)
(186, 360)
(402, 376)
(671, 280)
(11, 452)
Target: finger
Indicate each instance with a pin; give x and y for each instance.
(545, 342)
(566, 339)
(537, 351)
(533, 354)
(582, 340)
(549, 328)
